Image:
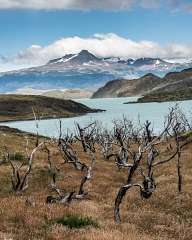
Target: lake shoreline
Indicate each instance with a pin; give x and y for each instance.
(115, 111)
(160, 97)
(11, 130)
(50, 118)
(167, 101)
(14, 107)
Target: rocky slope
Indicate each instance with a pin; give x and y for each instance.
(125, 88)
(149, 84)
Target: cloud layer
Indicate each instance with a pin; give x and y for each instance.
(102, 45)
(91, 4)
(66, 4)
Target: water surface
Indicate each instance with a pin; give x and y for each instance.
(115, 109)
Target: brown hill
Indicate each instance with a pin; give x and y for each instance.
(20, 107)
(148, 84)
(126, 88)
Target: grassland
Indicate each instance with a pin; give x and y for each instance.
(20, 107)
(166, 215)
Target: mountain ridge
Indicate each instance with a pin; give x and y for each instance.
(83, 70)
(123, 87)
(148, 84)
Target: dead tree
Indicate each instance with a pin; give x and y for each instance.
(86, 137)
(104, 140)
(123, 154)
(180, 126)
(36, 118)
(64, 198)
(20, 181)
(71, 158)
(146, 155)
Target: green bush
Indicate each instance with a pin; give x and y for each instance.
(75, 221)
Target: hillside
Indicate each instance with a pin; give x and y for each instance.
(179, 95)
(150, 84)
(166, 215)
(174, 87)
(19, 107)
(125, 88)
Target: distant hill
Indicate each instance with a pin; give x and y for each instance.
(20, 107)
(149, 84)
(178, 95)
(126, 88)
(68, 94)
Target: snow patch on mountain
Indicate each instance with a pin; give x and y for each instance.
(179, 60)
(86, 71)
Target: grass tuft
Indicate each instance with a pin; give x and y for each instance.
(17, 157)
(76, 221)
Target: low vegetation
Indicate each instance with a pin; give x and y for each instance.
(127, 183)
(181, 95)
(76, 221)
(17, 156)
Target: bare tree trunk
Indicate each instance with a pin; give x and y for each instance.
(179, 171)
(118, 200)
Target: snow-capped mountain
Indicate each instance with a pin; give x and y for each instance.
(86, 57)
(85, 71)
(149, 61)
(83, 57)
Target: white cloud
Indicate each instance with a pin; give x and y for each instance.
(102, 45)
(173, 6)
(66, 4)
(89, 4)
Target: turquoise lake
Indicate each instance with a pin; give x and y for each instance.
(115, 109)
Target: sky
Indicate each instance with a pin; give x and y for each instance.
(34, 31)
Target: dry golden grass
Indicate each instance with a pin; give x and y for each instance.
(166, 215)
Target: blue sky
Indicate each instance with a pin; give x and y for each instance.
(28, 24)
(22, 28)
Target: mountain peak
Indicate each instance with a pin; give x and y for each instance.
(150, 75)
(85, 56)
(82, 57)
(84, 51)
